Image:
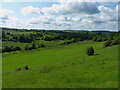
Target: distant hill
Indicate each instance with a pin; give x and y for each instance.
(97, 31)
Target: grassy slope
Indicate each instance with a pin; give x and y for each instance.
(22, 45)
(67, 67)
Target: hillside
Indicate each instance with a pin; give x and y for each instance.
(62, 67)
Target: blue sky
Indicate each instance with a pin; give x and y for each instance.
(59, 15)
(16, 6)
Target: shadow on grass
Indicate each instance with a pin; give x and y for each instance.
(96, 54)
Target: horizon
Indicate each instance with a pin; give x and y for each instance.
(94, 30)
(60, 15)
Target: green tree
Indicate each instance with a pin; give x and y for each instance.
(107, 43)
(90, 51)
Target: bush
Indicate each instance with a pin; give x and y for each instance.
(114, 42)
(66, 42)
(90, 51)
(107, 43)
(10, 48)
(41, 45)
(99, 40)
(34, 46)
(17, 48)
(27, 47)
(94, 39)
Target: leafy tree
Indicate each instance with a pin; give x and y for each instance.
(107, 43)
(3, 34)
(41, 45)
(114, 42)
(90, 51)
(27, 47)
(34, 46)
(17, 48)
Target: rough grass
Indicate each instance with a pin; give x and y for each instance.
(64, 67)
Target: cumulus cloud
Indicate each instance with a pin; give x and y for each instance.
(4, 15)
(31, 10)
(64, 8)
(5, 11)
(46, 19)
(107, 14)
(67, 15)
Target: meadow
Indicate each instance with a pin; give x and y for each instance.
(59, 59)
(63, 67)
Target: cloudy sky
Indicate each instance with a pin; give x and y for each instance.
(60, 15)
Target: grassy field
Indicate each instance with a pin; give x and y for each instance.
(62, 67)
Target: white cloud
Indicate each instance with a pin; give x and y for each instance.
(107, 14)
(31, 10)
(66, 15)
(5, 11)
(71, 8)
(4, 15)
(63, 8)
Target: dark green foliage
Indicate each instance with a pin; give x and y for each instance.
(17, 48)
(27, 47)
(94, 39)
(107, 43)
(3, 34)
(113, 39)
(67, 37)
(73, 40)
(10, 48)
(25, 38)
(41, 45)
(90, 51)
(114, 42)
(66, 42)
(33, 46)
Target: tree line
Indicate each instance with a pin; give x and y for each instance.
(68, 37)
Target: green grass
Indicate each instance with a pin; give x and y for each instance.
(63, 67)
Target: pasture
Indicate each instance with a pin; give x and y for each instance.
(66, 66)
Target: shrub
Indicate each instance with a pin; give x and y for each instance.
(66, 42)
(94, 38)
(119, 41)
(114, 42)
(90, 51)
(34, 46)
(99, 40)
(17, 48)
(10, 48)
(41, 45)
(107, 43)
(27, 47)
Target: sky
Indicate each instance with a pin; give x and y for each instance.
(60, 15)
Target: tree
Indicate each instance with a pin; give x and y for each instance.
(34, 46)
(90, 51)
(17, 48)
(27, 47)
(41, 45)
(107, 43)
(114, 42)
(3, 34)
